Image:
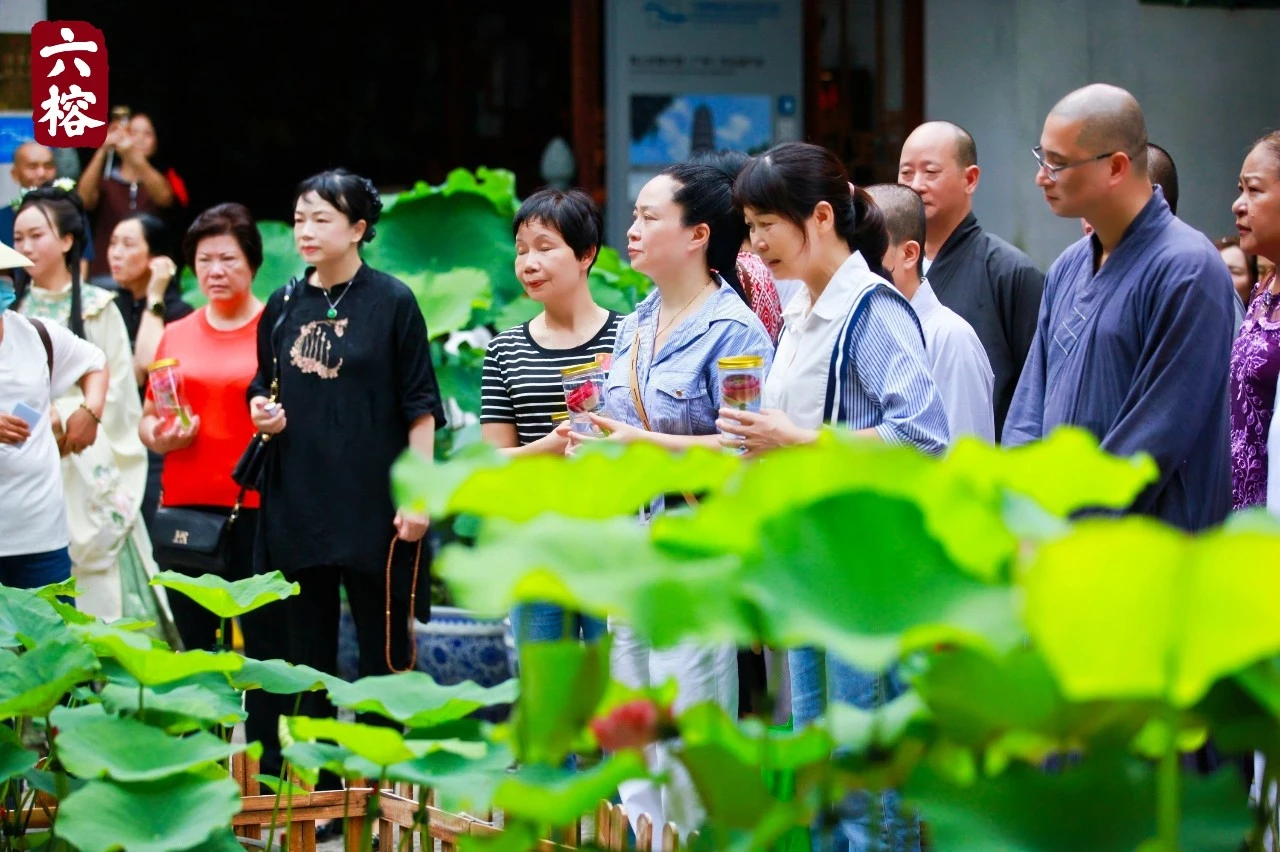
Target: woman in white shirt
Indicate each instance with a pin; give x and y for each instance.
(33, 518)
(851, 354)
(105, 484)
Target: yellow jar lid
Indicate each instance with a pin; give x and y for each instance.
(559, 417)
(740, 362)
(579, 369)
(161, 364)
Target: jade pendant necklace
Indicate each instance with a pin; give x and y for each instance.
(332, 313)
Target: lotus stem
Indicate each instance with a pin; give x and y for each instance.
(1167, 787)
(275, 806)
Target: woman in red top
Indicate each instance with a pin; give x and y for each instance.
(216, 351)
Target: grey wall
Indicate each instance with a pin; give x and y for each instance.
(998, 66)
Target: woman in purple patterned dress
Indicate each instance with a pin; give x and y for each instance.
(1255, 357)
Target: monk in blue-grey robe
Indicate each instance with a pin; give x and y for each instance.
(1134, 333)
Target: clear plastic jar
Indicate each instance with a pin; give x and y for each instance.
(583, 395)
(165, 380)
(741, 381)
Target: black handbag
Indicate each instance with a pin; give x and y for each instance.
(194, 541)
(248, 470)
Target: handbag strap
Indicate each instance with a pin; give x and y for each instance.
(235, 510)
(638, 400)
(413, 601)
(289, 292)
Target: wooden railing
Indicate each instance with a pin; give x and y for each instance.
(398, 812)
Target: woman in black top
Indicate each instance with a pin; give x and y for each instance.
(356, 387)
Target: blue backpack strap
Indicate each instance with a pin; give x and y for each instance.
(834, 410)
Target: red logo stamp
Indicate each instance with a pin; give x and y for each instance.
(69, 84)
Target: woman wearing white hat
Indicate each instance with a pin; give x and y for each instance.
(38, 363)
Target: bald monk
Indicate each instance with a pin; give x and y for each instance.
(1164, 174)
(1134, 334)
(991, 284)
(32, 166)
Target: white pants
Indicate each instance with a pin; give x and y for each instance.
(702, 674)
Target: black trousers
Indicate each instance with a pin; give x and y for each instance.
(265, 636)
(313, 617)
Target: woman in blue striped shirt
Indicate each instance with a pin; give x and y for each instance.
(662, 388)
(851, 354)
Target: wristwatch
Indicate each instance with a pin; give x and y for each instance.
(157, 308)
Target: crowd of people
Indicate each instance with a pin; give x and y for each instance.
(886, 310)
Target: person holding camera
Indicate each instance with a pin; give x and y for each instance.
(121, 179)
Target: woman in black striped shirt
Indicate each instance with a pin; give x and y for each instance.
(558, 237)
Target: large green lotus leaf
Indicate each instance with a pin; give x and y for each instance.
(28, 620)
(611, 298)
(1012, 701)
(608, 481)
(32, 683)
(222, 840)
(280, 678)
(497, 185)
(448, 298)
(53, 591)
(554, 796)
(1262, 681)
(438, 233)
(178, 707)
(561, 686)
(1105, 804)
(610, 263)
(862, 731)
(970, 530)
(382, 746)
(517, 312)
(308, 759)
(859, 575)
(415, 700)
(150, 816)
(14, 759)
(578, 564)
(460, 783)
(229, 599)
(94, 744)
(516, 836)
(151, 664)
(732, 791)
(1132, 609)
(1064, 473)
(749, 743)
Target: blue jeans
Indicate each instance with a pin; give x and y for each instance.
(814, 676)
(544, 622)
(33, 570)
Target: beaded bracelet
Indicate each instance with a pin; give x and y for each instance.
(95, 417)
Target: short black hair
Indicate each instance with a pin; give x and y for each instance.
(230, 218)
(903, 210)
(572, 213)
(1163, 173)
(353, 196)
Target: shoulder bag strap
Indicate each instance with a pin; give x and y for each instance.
(639, 401)
(290, 291)
(46, 340)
